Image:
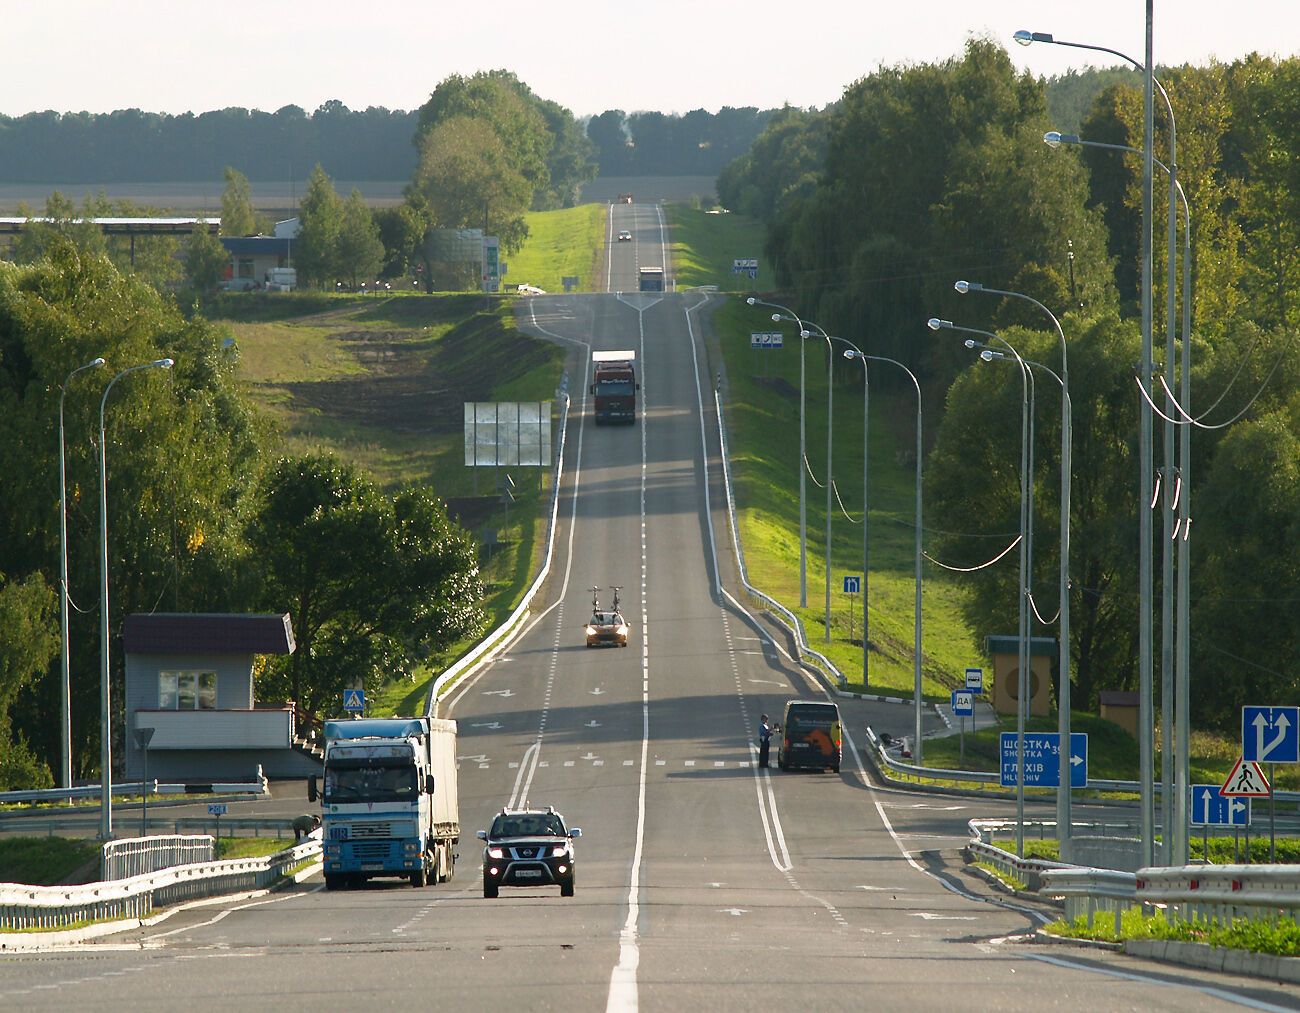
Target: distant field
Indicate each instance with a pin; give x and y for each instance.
(560, 243)
(649, 189)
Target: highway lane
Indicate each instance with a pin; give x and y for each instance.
(701, 880)
(648, 246)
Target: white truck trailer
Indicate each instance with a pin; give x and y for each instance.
(389, 804)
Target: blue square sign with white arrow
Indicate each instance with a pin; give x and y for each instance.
(1210, 809)
(1270, 734)
(1042, 759)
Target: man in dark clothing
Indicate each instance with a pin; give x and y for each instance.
(304, 825)
(764, 740)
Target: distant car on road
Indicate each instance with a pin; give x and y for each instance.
(810, 736)
(530, 290)
(528, 847)
(624, 236)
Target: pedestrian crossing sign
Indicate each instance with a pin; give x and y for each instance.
(354, 700)
(1247, 780)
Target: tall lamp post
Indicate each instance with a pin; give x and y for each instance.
(1183, 495)
(1026, 561)
(1146, 760)
(856, 353)
(803, 448)
(65, 688)
(106, 744)
(866, 519)
(1063, 796)
(830, 433)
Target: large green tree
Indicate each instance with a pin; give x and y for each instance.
(360, 251)
(320, 217)
(238, 216)
(467, 181)
(374, 584)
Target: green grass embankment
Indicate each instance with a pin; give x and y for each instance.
(564, 243)
(1280, 937)
(705, 244)
(381, 382)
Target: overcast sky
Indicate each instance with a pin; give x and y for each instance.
(589, 55)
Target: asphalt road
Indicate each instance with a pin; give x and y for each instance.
(702, 881)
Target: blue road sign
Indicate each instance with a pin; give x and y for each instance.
(354, 700)
(963, 703)
(745, 265)
(1270, 734)
(1042, 759)
(1210, 809)
(852, 585)
(217, 809)
(975, 680)
(765, 339)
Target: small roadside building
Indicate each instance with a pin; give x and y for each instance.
(189, 678)
(253, 258)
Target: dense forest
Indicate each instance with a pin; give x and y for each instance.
(923, 175)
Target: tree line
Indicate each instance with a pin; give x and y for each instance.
(131, 145)
(925, 174)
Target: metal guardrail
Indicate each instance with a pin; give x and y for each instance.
(135, 856)
(1087, 891)
(783, 615)
(483, 649)
(1221, 893)
(24, 908)
(1029, 871)
(92, 791)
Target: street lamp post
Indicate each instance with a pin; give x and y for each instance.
(803, 450)
(917, 750)
(106, 745)
(1026, 561)
(1063, 706)
(1182, 495)
(866, 519)
(1146, 761)
(830, 432)
(65, 688)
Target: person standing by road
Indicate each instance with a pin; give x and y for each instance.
(764, 740)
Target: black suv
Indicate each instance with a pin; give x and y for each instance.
(528, 847)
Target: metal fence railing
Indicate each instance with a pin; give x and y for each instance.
(1222, 893)
(27, 908)
(1090, 891)
(134, 856)
(257, 786)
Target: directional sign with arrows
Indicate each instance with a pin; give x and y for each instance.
(1042, 759)
(1270, 734)
(1210, 809)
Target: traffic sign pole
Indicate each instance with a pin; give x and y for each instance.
(1272, 814)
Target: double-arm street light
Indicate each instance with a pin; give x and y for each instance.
(1063, 796)
(1146, 758)
(65, 687)
(804, 335)
(1026, 560)
(1181, 491)
(803, 446)
(853, 352)
(106, 745)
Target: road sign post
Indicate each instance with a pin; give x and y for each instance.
(354, 701)
(217, 809)
(852, 585)
(963, 706)
(975, 680)
(1042, 759)
(1270, 735)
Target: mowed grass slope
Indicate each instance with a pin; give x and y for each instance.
(564, 243)
(381, 382)
(704, 245)
(763, 415)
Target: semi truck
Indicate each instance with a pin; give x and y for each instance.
(652, 279)
(389, 804)
(615, 386)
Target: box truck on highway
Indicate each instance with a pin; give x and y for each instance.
(389, 800)
(652, 279)
(615, 386)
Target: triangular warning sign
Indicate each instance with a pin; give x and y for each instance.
(1246, 780)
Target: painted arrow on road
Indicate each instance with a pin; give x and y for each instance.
(486, 724)
(499, 692)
